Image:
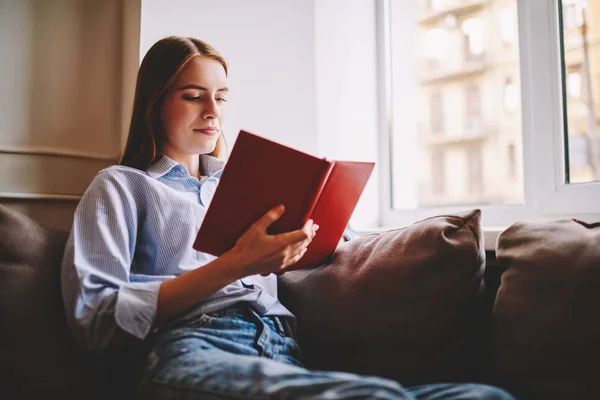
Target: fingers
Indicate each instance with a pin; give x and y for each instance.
(296, 247)
(292, 254)
(270, 217)
(292, 261)
(308, 231)
(289, 257)
(291, 245)
(297, 251)
(310, 228)
(290, 238)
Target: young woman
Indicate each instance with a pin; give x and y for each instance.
(207, 327)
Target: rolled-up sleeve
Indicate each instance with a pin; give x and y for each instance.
(100, 301)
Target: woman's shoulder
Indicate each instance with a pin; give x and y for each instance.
(118, 187)
(119, 176)
(122, 173)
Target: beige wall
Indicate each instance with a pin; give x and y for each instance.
(68, 72)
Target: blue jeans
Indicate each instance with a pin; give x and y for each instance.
(238, 354)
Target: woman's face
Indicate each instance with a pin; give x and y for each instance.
(192, 112)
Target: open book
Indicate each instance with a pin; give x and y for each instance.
(260, 174)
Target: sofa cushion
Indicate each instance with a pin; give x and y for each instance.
(546, 341)
(38, 355)
(401, 303)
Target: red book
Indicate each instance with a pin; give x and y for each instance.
(260, 174)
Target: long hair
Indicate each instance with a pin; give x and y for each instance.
(159, 69)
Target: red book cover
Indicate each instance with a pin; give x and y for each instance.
(261, 174)
(333, 209)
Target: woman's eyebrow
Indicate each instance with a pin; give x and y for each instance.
(192, 86)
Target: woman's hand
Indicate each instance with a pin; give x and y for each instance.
(257, 252)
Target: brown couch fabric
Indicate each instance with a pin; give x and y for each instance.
(401, 304)
(546, 340)
(404, 304)
(38, 356)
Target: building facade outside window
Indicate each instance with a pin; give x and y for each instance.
(518, 118)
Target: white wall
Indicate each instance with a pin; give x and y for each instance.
(302, 72)
(346, 107)
(269, 46)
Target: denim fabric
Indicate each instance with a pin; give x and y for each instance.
(238, 354)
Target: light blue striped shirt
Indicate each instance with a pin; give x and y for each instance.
(133, 230)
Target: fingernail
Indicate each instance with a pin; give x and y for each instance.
(280, 209)
(316, 227)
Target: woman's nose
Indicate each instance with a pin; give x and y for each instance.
(211, 111)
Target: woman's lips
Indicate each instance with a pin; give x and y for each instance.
(208, 131)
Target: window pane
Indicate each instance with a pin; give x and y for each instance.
(581, 51)
(457, 115)
(437, 117)
(475, 177)
(439, 170)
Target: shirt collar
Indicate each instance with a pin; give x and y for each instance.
(209, 166)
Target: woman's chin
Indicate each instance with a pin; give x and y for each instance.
(205, 148)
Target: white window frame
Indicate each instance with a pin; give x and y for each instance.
(546, 195)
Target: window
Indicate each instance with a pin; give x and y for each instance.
(438, 173)
(512, 161)
(511, 95)
(437, 113)
(435, 5)
(475, 175)
(508, 25)
(435, 47)
(574, 82)
(579, 151)
(473, 117)
(573, 13)
(472, 29)
(546, 143)
(582, 88)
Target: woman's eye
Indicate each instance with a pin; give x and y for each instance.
(191, 98)
(221, 99)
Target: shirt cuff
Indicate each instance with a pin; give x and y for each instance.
(136, 307)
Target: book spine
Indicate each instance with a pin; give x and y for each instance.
(313, 195)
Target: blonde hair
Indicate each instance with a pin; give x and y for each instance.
(159, 69)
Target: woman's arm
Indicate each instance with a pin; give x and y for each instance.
(101, 301)
(182, 292)
(256, 252)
